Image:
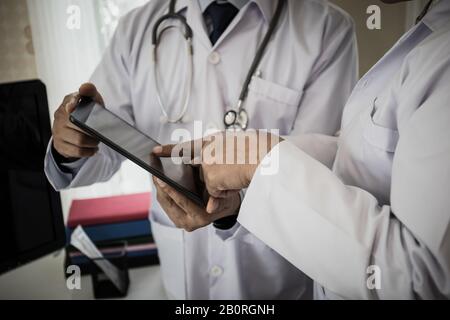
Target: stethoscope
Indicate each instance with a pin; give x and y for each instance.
(235, 118)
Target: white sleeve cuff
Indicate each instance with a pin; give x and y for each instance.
(57, 178)
(306, 214)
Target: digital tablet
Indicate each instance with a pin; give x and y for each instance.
(136, 146)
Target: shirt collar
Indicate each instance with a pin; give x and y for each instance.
(267, 7)
(239, 4)
(438, 16)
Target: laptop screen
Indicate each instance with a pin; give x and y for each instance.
(31, 217)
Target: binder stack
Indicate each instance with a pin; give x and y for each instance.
(112, 223)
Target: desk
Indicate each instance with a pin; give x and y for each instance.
(44, 279)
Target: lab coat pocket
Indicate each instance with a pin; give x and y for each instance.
(271, 106)
(378, 151)
(382, 138)
(170, 243)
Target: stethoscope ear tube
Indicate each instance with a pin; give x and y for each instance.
(171, 15)
(188, 81)
(241, 118)
(259, 54)
(187, 29)
(156, 37)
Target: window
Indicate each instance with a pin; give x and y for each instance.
(66, 57)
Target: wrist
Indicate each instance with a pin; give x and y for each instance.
(228, 221)
(59, 158)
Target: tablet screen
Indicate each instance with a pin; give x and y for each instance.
(136, 146)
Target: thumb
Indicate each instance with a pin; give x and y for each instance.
(218, 205)
(70, 102)
(188, 150)
(164, 150)
(214, 205)
(89, 90)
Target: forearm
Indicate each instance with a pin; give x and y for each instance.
(321, 147)
(334, 232)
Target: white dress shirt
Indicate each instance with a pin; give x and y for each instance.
(372, 219)
(306, 75)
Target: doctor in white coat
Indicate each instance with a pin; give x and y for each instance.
(366, 215)
(301, 85)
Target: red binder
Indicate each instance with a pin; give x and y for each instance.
(106, 210)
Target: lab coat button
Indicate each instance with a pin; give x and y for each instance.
(216, 271)
(214, 58)
(366, 82)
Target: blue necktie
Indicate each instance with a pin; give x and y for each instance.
(221, 15)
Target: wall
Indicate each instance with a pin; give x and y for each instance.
(372, 44)
(16, 48)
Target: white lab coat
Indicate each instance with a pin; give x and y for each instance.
(306, 76)
(372, 219)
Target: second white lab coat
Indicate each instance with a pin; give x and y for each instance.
(306, 75)
(367, 214)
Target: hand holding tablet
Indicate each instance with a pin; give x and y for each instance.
(125, 139)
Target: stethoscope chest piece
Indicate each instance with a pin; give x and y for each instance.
(230, 118)
(236, 119)
(243, 119)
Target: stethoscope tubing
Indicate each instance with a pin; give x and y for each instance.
(156, 38)
(188, 81)
(232, 118)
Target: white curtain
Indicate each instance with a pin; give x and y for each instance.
(66, 56)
